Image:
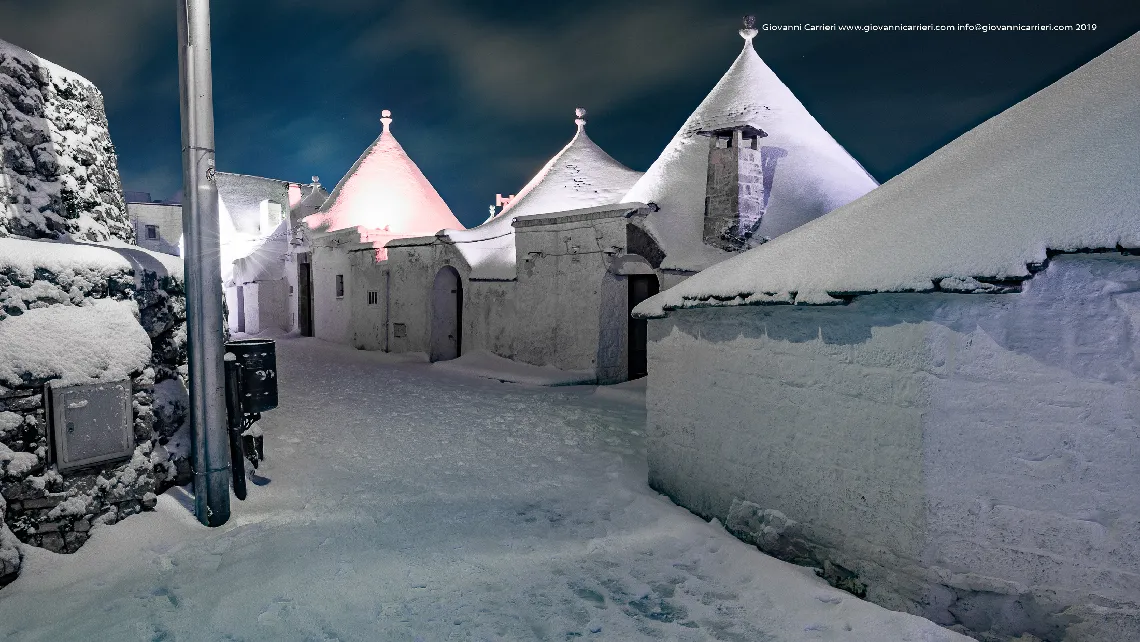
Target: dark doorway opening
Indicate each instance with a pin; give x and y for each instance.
(446, 315)
(305, 294)
(641, 287)
(240, 309)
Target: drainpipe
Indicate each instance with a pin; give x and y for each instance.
(210, 449)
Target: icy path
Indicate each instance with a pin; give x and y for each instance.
(407, 503)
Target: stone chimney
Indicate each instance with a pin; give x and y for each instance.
(734, 194)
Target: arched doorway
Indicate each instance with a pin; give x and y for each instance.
(446, 315)
(641, 287)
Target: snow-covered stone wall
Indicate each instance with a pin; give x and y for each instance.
(567, 307)
(58, 171)
(967, 457)
(574, 311)
(82, 313)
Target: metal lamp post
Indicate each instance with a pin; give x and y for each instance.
(211, 457)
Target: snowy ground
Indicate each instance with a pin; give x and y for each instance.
(409, 503)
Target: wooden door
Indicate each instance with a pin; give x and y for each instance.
(305, 296)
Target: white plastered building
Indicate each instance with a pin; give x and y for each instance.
(932, 392)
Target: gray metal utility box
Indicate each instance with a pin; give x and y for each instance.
(90, 423)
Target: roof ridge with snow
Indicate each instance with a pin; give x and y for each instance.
(1054, 173)
(813, 173)
(385, 189)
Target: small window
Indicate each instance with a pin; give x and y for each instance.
(373, 297)
(151, 232)
(339, 286)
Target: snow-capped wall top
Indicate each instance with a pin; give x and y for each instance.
(24, 256)
(55, 70)
(384, 189)
(813, 173)
(1058, 171)
(580, 175)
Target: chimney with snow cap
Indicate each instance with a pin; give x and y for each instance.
(735, 187)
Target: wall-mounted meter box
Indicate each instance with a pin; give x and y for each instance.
(89, 423)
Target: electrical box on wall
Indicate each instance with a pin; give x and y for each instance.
(89, 423)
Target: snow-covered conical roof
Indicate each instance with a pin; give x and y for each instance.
(1057, 171)
(385, 190)
(814, 177)
(580, 175)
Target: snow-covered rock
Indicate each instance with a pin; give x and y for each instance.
(76, 313)
(1056, 172)
(58, 171)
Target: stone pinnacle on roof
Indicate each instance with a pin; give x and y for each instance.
(749, 31)
(386, 119)
(580, 121)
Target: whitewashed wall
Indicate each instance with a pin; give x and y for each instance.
(972, 458)
(411, 270)
(266, 303)
(367, 328)
(332, 314)
(166, 217)
(568, 299)
(566, 308)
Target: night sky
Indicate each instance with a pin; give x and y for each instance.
(483, 92)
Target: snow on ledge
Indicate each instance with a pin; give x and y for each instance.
(1054, 173)
(481, 363)
(75, 344)
(25, 255)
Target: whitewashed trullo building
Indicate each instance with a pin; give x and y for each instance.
(932, 392)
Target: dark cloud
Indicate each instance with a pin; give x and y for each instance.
(110, 42)
(483, 91)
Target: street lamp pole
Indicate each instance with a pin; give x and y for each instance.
(211, 457)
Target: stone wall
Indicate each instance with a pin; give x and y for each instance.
(969, 458)
(41, 506)
(58, 171)
(567, 308)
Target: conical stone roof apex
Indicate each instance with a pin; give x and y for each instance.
(813, 174)
(385, 190)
